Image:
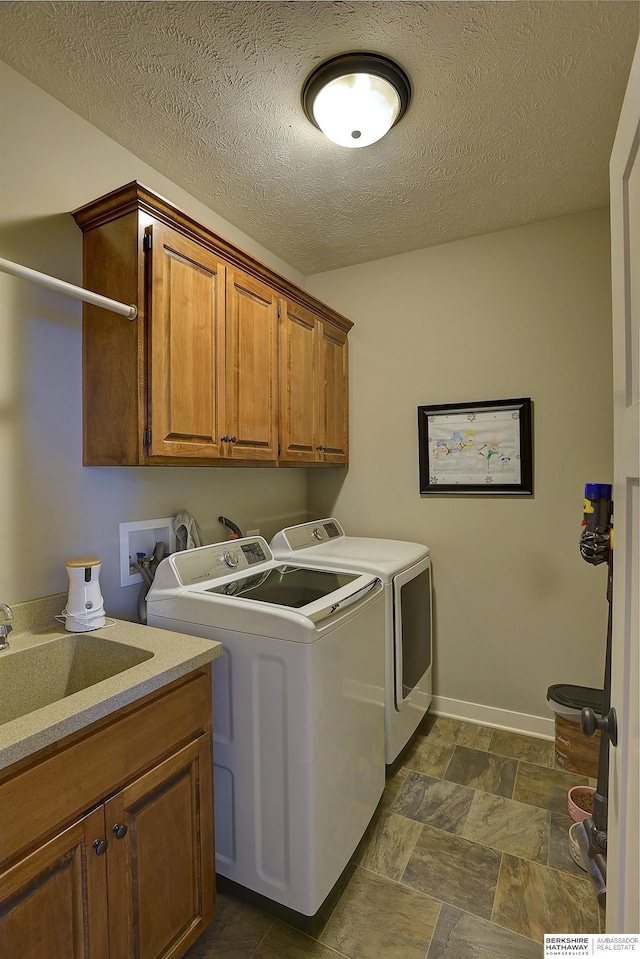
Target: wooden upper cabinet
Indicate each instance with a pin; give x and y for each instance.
(251, 424)
(187, 340)
(334, 406)
(314, 389)
(206, 374)
(299, 384)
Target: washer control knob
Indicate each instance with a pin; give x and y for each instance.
(319, 532)
(230, 558)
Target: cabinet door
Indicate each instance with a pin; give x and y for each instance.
(161, 871)
(299, 387)
(53, 902)
(333, 411)
(186, 347)
(251, 369)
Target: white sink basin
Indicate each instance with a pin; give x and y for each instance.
(48, 672)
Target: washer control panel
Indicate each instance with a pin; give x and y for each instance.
(254, 553)
(213, 562)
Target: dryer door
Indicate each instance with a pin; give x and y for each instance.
(412, 628)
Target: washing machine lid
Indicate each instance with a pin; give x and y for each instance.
(240, 586)
(324, 543)
(293, 586)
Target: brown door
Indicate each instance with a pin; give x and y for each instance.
(161, 869)
(251, 369)
(299, 387)
(186, 376)
(53, 903)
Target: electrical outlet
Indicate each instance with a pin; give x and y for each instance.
(141, 537)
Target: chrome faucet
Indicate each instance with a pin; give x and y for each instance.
(5, 627)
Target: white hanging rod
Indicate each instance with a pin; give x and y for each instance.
(61, 286)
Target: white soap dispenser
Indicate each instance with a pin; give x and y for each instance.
(85, 606)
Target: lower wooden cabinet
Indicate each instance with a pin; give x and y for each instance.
(160, 872)
(134, 876)
(54, 901)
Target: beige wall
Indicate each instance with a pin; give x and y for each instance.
(52, 508)
(519, 313)
(525, 312)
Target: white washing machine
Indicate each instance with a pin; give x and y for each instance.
(405, 570)
(298, 710)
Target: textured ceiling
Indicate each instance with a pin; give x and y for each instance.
(513, 115)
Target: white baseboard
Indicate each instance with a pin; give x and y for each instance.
(537, 726)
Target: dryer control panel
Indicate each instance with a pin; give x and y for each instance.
(310, 534)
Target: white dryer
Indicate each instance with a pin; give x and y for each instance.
(405, 570)
(298, 710)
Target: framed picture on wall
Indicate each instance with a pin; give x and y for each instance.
(483, 447)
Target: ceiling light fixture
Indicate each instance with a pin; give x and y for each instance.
(356, 98)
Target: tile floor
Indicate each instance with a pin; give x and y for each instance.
(466, 858)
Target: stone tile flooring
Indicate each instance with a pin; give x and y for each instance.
(467, 857)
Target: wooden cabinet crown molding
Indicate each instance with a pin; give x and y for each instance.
(134, 196)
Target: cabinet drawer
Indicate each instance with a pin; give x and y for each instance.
(86, 768)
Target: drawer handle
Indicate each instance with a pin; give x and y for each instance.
(120, 830)
(100, 846)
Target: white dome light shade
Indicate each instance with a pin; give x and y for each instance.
(356, 98)
(357, 109)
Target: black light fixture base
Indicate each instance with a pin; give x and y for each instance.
(372, 63)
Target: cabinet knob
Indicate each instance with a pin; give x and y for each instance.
(233, 439)
(100, 846)
(321, 449)
(120, 830)
(224, 439)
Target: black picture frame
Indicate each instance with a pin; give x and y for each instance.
(476, 448)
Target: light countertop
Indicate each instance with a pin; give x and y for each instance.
(174, 655)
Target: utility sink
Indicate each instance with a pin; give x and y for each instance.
(48, 672)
